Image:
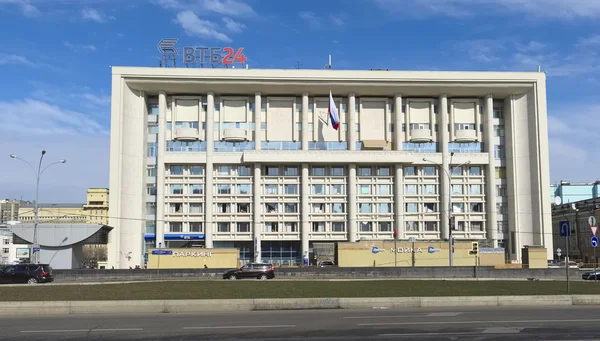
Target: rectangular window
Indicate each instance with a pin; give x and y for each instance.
(271, 189)
(318, 171)
(337, 171)
(500, 172)
(337, 208)
(298, 126)
(176, 170)
(290, 227)
(457, 189)
(243, 208)
(365, 208)
(243, 227)
(385, 208)
(311, 127)
(196, 227)
(271, 171)
(499, 152)
(318, 189)
(499, 113)
(475, 189)
(318, 226)
(224, 170)
(176, 189)
(412, 226)
(196, 170)
(263, 126)
(364, 171)
(271, 208)
(431, 226)
(290, 171)
(477, 207)
(151, 149)
(429, 207)
(151, 171)
(151, 189)
(429, 189)
(384, 189)
(223, 189)
(457, 171)
(344, 126)
(175, 227)
(151, 208)
(498, 130)
(501, 208)
(337, 227)
(244, 171)
(385, 226)
(474, 171)
(383, 171)
(244, 189)
(412, 207)
(366, 226)
(458, 207)
(290, 189)
(196, 189)
(223, 208)
(500, 190)
(196, 208)
(337, 189)
(223, 227)
(429, 171)
(153, 129)
(175, 208)
(410, 189)
(410, 171)
(364, 189)
(291, 208)
(318, 208)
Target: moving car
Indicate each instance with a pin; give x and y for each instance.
(591, 275)
(262, 271)
(26, 273)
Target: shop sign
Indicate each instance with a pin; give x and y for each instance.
(192, 254)
(407, 250)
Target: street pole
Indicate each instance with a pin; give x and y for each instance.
(567, 261)
(395, 252)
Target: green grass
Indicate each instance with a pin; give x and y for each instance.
(287, 289)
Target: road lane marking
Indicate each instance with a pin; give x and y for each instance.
(502, 330)
(117, 330)
(243, 327)
(443, 314)
(82, 330)
(427, 334)
(473, 322)
(377, 317)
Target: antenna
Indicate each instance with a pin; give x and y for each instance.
(539, 68)
(298, 65)
(328, 66)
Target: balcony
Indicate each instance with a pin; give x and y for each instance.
(420, 135)
(186, 134)
(234, 134)
(465, 135)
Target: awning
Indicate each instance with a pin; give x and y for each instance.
(375, 144)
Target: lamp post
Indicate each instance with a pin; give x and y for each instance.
(450, 224)
(38, 174)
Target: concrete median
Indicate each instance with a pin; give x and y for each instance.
(204, 306)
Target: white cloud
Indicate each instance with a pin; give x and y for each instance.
(195, 26)
(311, 19)
(91, 14)
(79, 47)
(233, 25)
(26, 7)
(13, 59)
(316, 22)
(233, 8)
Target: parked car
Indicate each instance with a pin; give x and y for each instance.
(326, 264)
(591, 275)
(26, 273)
(262, 271)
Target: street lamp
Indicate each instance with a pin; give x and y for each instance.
(38, 173)
(450, 225)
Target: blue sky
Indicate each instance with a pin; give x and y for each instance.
(55, 58)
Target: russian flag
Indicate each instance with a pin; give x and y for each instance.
(333, 113)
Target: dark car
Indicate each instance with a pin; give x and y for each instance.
(326, 264)
(253, 270)
(26, 273)
(592, 275)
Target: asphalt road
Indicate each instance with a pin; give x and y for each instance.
(572, 323)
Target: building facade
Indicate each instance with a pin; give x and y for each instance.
(566, 192)
(222, 158)
(9, 210)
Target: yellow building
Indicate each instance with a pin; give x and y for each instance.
(96, 207)
(94, 211)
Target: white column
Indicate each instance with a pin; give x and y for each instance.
(388, 121)
(478, 122)
(210, 146)
(398, 122)
(432, 121)
(160, 169)
(407, 122)
(490, 172)
(257, 120)
(451, 120)
(305, 228)
(257, 209)
(304, 119)
(352, 235)
(351, 122)
(399, 202)
(443, 140)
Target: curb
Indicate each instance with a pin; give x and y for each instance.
(266, 304)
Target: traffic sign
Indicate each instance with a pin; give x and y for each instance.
(162, 252)
(594, 241)
(594, 229)
(592, 220)
(36, 249)
(565, 228)
(558, 252)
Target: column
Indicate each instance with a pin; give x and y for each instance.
(398, 122)
(351, 122)
(256, 209)
(407, 122)
(399, 202)
(490, 171)
(478, 121)
(443, 140)
(451, 119)
(257, 120)
(352, 235)
(388, 122)
(210, 147)
(160, 169)
(304, 119)
(432, 121)
(305, 228)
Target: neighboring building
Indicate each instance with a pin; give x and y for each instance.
(96, 207)
(94, 211)
(11, 253)
(9, 210)
(566, 192)
(222, 158)
(578, 214)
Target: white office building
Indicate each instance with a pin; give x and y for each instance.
(249, 159)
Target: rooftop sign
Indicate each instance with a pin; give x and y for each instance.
(200, 56)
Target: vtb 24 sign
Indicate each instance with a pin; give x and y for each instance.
(212, 56)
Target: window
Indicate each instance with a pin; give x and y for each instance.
(263, 126)
(476, 226)
(223, 189)
(337, 171)
(318, 226)
(318, 208)
(429, 171)
(271, 207)
(501, 208)
(364, 171)
(195, 189)
(244, 171)
(431, 226)
(318, 189)
(175, 227)
(357, 127)
(464, 126)
(311, 126)
(223, 207)
(498, 112)
(176, 189)
(196, 170)
(385, 226)
(500, 190)
(244, 189)
(338, 227)
(151, 189)
(243, 208)
(365, 208)
(223, 227)
(430, 207)
(499, 152)
(384, 189)
(475, 189)
(5, 250)
(243, 227)
(502, 226)
(337, 189)
(383, 171)
(344, 126)
(457, 189)
(151, 208)
(151, 149)
(474, 171)
(196, 227)
(498, 131)
(364, 189)
(412, 226)
(291, 171)
(410, 171)
(271, 171)
(337, 208)
(366, 226)
(224, 170)
(290, 189)
(412, 207)
(429, 189)
(290, 227)
(318, 171)
(151, 171)
(195, 207)
(500, 172)
(457, 171)
(477, 207)
(418, 126)
(153, 128)
(410, 189)
(271, 189)
(458, 207)
(186, 124)
(291, 208)
(385, 208)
